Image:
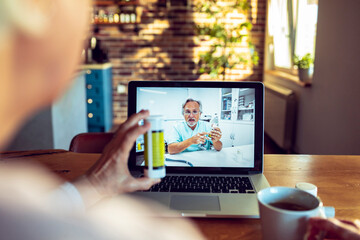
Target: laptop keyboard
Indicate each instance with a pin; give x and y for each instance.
(203, 184)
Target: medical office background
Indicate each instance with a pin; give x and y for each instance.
(233, 109)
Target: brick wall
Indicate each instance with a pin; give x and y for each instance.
(163, 46)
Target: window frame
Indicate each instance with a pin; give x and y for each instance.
(292, 13)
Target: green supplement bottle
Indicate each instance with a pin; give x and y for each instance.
(155, 148)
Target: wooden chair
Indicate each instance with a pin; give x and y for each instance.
(90, 142)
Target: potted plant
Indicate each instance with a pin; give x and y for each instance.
(304, 66)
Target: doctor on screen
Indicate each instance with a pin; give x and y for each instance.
(193, 134)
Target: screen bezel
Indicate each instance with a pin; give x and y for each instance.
(258, 124)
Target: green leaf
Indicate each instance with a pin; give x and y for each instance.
(222, 55)
(303, 62)
(246, 25)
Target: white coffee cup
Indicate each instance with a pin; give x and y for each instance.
(279, 222)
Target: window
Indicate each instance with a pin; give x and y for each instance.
(291, 31)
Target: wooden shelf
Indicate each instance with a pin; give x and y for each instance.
(114, 24)
(132, 16)
(120, 3)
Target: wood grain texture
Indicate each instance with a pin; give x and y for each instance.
(337, 179)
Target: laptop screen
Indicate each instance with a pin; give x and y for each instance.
(207, 125)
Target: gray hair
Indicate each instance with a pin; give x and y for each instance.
(191, 100)
(12, 17)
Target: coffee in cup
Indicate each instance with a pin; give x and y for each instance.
(289, 206)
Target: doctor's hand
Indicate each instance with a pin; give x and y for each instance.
(215, 134)
(199, 138)
(332, 228)
(110, 174)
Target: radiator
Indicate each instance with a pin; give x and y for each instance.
(280, 111)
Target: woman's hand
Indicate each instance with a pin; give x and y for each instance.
(110, 174)
(332, 228)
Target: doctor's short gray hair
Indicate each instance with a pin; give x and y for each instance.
(191, 100)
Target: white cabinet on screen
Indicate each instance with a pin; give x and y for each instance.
(237, 104)
(237, 116)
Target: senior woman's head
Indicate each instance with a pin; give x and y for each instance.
(40, 47)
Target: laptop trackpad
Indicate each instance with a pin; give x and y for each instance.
(194, 202)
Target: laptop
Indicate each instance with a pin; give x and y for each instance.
(207, 179)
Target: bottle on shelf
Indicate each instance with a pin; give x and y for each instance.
(105, 17)
(101, 15)
(133, 17)
(127, 18)
(122, 17)
(116, 18)
(111, 18)
(96, 17)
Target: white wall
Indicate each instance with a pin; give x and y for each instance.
(168, 101)
(55, 126)
(243, 133)
(210, 100)
(328, 112)
(69, 115)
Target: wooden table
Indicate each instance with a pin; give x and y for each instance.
(337, 178)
